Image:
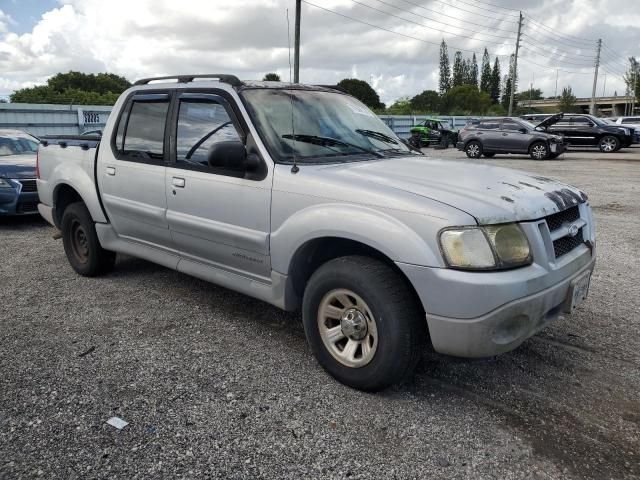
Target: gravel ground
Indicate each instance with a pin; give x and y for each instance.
(215, 384)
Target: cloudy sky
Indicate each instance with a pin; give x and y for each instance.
(391, 43)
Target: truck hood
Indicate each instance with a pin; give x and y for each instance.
(18, 166)
(488, 193)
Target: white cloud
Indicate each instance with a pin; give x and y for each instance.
(249, 37)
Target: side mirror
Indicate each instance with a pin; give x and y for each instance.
(252, 163)
(523, 130)
(230, 155)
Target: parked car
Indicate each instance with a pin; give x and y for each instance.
(300, 196)
(631, 122)
(433, 131)
(583, 130)
(18, 193)
(509, 135)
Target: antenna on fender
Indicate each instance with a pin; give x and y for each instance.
(295, 168)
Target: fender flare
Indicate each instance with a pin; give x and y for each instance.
(363, 224)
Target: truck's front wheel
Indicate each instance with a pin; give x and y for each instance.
(362, 322)
(84, 252)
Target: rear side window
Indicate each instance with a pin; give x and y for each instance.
(141, 127)
(631, 120)
(489, 124)
(580, 120)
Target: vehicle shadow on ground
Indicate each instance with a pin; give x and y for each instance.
(22, 222)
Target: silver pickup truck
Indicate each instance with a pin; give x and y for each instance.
(300, 196)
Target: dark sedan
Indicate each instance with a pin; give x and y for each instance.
(583, 130)
(18, 191)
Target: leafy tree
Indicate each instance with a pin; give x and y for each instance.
(465, 100)
(271, 77)
(567, 101)
(426, 102)
(401, 106)
(457, 77)
(485, 73)
(445, 69)
(506, 92)
(473, 71)
(531, 94)
(632, 77)
(75, 87)
(494, 90)
(362, 91)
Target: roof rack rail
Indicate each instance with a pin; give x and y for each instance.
(230, 79)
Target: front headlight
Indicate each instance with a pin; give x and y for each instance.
(5, 183)
(486, 248)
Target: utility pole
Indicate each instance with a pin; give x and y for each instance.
(296, 48)
(604, 85)
(515, 67)
(556, 94)
(592, 107)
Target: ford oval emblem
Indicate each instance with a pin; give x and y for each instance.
(573, 230)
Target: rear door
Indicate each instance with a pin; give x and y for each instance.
(489, 134)
(217, 216)
(131, 170)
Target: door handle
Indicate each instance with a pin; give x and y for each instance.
(111, 171)
(505, 134)
(177, 182)
(480, 133)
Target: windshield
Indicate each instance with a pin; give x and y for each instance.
(17, 145)
(319, 127)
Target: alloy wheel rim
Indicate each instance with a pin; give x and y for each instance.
(608, 144)
(348, 328)
(539, 151)
(473, 150)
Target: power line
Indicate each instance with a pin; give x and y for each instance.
(528, 60)
(491, 5)
(563, 60)
(569, 38)
(554, 47)
(427, 26)
(448, 5)
(394, 32)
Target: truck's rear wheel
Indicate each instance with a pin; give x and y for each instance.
(84, 252)
(362, 322)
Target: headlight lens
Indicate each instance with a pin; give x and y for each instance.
(486, 248)
(5, 183)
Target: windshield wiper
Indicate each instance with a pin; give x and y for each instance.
(328, 142)
(377, 135)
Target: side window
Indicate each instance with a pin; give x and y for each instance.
(511, 125)
(580, 121)
(631, 120)
(202, 124)
(489, 124)
(140, 130)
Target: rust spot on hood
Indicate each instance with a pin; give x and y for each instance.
(507, 199)
(529, 185)
(564, 198)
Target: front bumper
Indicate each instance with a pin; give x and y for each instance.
(460, 145)
(504, 328)
(13, 201)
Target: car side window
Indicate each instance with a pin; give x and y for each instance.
(631, 120)
(511, 125)
(489, 125)
(201, 125)
(140, 133)
(580, 121)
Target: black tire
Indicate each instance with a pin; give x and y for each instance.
(399, 321)
(81, 244)
(414, 141)
(539, 151)
(489, 154)
(553, 156)
(473, 149)
(609, 144)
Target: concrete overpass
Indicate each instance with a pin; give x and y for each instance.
(605, 106)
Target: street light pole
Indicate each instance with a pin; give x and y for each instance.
(592, 107)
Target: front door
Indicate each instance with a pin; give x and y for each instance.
(216, 215)
(131, 170)
(513, 139)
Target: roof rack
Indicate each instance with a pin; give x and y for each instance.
(230, 79)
